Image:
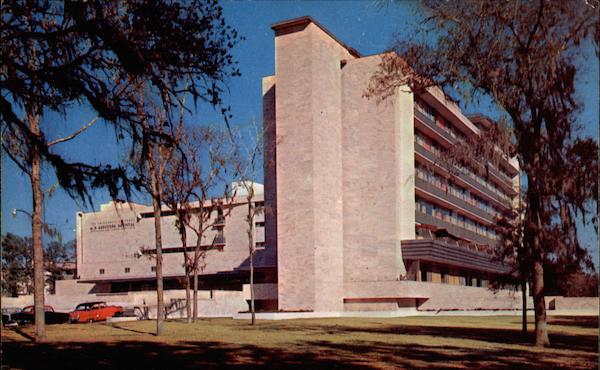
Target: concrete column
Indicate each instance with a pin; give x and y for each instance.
(308, 168)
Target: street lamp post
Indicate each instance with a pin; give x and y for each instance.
(15, 210)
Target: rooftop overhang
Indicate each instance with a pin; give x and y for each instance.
(437, 251)
(149, 278)
(439, 101)
(302, 22)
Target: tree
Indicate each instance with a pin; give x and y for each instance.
(56, 254)
(522, 55)
(581, 284)
(511, 251)
(191, 176)
(57, 54)
(17, 265)
(249, 152)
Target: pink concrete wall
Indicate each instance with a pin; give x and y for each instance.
(309, 169)
(375, 144)
(115, 249)
(270, 164)
(436, 296)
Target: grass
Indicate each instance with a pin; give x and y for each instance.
(412, 342)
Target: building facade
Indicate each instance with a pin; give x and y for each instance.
(360, 208)
(115, 246)
(357, 215)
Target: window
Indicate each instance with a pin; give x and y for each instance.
(468, 281)
(446, 215)
(425, 109)
(426, 275)
(153, 268)
(259, 224)
(445, 277)
(429, 209)
(127, 270)
(101, 271)
(260, 245)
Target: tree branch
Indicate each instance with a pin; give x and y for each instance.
(73, 135)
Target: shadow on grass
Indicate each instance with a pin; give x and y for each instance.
(581, 321)
(579, 342)
(342, 350)
(18, 330)
(305, 355)
(116, 326)
(153, 355)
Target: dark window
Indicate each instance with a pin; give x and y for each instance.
(153, 268)
(445, 277)
(259, 224)
(101, 271)
(127, 270)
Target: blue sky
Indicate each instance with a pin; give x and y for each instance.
(367, 26)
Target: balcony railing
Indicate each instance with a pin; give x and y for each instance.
(424, 218)
(456, 201)
(434, 127)
(505, 181)
(219, 221)
(465, 178)
(218, 240)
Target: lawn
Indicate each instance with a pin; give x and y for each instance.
(412, 342)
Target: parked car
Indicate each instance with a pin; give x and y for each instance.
(93, 311)
(27, 316)
(7, 313)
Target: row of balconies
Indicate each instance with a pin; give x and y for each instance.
(456, 230)
(425, 123)
(471, 209)
(467, 180)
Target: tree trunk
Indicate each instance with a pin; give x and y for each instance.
(524, 298)
(154, 184)
(539, 303)
(251, 250)
(188, 296)
(36, 233)
(195, 299)
(524, 307)
(252, 310)
(186, 267)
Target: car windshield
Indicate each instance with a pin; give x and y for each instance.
(82, 307)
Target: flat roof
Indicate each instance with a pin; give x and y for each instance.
(304, 20)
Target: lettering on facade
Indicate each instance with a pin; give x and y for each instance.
(112, 225)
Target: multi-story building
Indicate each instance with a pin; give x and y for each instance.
(359, 205)
(358, 213)
(115, 246)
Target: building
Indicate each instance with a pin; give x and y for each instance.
(355, 219)
(359, 221)
(115, 246)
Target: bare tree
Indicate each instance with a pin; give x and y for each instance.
(190, 185)
(249, 155)
(178, 187)
(522, 56)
